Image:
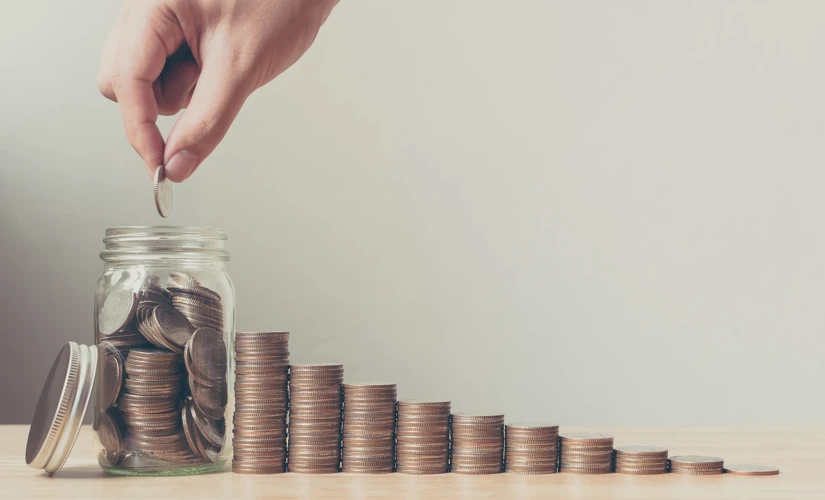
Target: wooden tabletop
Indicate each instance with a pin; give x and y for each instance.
(798, 451)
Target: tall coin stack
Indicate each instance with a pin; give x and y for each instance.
(369, 428)
(261, 374)
(696, 465)
(531, 448)
(423, 437)
(586, 453)
(477, 443)
(641, 460)
(315, 418)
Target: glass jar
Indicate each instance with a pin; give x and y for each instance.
(164, 329)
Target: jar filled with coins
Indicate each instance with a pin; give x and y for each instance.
(156, 381)
(164, 329)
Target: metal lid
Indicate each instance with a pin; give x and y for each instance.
(62, 405)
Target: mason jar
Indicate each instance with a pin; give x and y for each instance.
(157, 381)
(164, 320)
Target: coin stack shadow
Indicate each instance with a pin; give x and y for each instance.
(149, 405)
(586, 453)
(369, 428)
(531, 448)
(423, 437)
(640, 460)
(314, 439)
(696, 465)
(261, 378)
(477, 443)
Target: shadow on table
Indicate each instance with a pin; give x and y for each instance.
(88, 472)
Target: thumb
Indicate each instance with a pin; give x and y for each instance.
(216, 101)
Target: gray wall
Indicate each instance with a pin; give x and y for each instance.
(592, 212)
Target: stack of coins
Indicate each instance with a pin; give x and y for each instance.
(586, 453)
(531, 448)
(149, 406)
(641, 460)
(423, 437)
(369, 428)
(261, 374)
(200, 305)
(477, 443)
(315, 418)
(696, 465)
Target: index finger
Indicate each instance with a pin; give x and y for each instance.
(142, 55)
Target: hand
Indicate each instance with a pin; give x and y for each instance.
(207, 56)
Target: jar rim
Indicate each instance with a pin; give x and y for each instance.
(134, 231)
(176, 243)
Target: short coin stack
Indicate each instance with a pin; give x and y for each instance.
(261, 374)
(149, 406)
(477, 443)
(531, 448)
(315, 418)
(423, 437)
(369, 428)
(200, 305)
(696, 465)
(641, 460)
(586, 453)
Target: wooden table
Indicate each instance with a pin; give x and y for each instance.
(798, 451)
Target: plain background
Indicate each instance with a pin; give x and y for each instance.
(591, 212)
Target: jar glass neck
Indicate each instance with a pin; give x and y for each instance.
(189, 245)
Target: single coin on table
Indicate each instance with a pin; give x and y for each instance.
(163, 192)
(751, 470)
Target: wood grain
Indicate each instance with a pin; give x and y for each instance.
(798, 451)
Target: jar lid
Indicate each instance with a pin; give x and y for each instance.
(61, 408)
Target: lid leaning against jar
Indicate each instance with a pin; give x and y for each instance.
(61, 408)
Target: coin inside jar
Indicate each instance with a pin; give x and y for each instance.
(108, 429)
(173, 325)
(207, 355)
(111, 379)
(118, 309)
(210, 399)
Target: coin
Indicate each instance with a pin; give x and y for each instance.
(173, 325)
(207, 352)
(163, 192)
(118, 309)
(751, 470)
(636, 450)
(111, 378)
(108, 428)
(695, 461)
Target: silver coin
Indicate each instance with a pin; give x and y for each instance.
(163, 192)
(118, 309)
(751, 470)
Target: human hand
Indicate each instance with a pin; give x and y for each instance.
(207, 56)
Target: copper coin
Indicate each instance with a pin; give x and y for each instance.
(208, 351)
(696, 461)
(636, 450)
(173, 325)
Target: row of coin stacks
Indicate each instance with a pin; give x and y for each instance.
(363, 428)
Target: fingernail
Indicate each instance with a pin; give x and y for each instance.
(181, 166)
